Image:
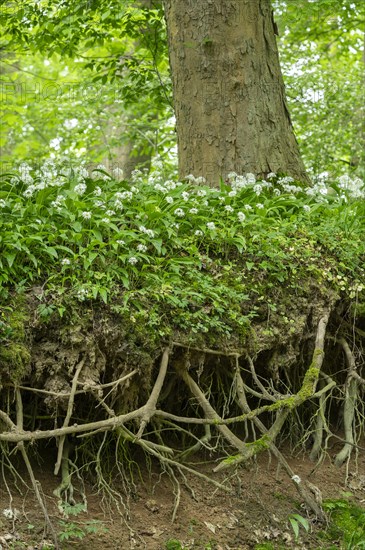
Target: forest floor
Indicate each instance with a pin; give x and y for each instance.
(255, 516)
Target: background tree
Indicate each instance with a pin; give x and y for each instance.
(229, 97)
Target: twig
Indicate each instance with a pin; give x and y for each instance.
(208, 351)
(86, 388)
(265, 393)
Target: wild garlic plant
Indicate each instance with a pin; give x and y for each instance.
(93, 234)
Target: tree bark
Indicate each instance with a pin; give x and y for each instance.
(230, 106)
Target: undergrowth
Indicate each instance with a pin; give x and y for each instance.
(177, 254)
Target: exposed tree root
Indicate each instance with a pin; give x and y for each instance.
(218, 401)
(35, 483)
(300, 485)
(68, 415)
(150, 407)
(351, 391)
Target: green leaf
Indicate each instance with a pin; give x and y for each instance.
(295, 527)
(104, 294)
(51, 251)
(10, 258)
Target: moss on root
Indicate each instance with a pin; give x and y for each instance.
(15, 354)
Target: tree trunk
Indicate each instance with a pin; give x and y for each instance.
(230, 107)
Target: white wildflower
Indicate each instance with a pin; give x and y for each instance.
(133, 260)
(239, 182)
(257, 188)
(118, 205)
(211, 226)
(169, 199)
(307, 208)
(80, 188)
(193, 211)
(86, 215)
(248, 207)
(271, 176)
(82, 294)
(71, 123)
(65, 261)
(185, 195)
(232, 193)
(259, 205)
(136, 174)
(27, 179)
(97, 191)
(110, 213)
(170, 185)
(228, 208)
(82, 172)
(160, 188)
(201, 192)
(277, 192)
(29, 192)
(126, 195)
(251, 178)
(120, 242)
(118, 173)
(179, 212)
(106, 220)
(286, 179)
(241, 216)
(142, 248)
(199, 233)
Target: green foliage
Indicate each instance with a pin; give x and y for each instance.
(70, 530)
(296, 520)
(321, 49)
(173, 544)
(172, 254)
(74, 77)
(347, 523)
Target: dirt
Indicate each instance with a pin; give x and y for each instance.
(256, 512)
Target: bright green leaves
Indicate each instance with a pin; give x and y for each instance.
(176, 254)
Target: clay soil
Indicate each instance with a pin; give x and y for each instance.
(256, 512)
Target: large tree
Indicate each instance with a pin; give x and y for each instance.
(229, 95)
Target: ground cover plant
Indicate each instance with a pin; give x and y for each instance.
(179, 319)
